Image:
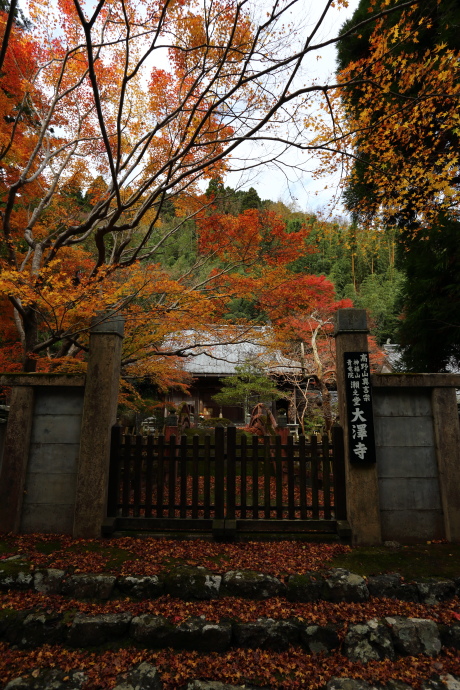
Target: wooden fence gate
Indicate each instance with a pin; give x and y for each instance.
(226, 484)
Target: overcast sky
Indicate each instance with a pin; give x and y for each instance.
(270, 183)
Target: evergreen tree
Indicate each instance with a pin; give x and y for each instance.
(430, 331)
(250, 199)
(247, 387)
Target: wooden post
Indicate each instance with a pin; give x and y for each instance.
(114, 471)
(361, 479)
(219, 473)
(231, 472)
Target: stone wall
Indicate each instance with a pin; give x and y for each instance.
(408, 491)
(410, 500)
(50, 485)
(418, 455)
(54, 473)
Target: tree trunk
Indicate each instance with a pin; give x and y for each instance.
(29, 323)
(327, 410)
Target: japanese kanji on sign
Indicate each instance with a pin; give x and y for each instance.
(359, 405)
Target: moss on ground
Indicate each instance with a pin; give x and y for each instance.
(412, 562)
(115, 556)
(14, 567)
(48, 547)
(5, 547)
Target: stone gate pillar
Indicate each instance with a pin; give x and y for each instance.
(15, 458)
(363, 511)
(99, 415)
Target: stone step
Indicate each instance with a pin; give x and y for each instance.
(145, 676)
(372, 640)
(197, 583)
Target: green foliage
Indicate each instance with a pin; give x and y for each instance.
(178, 253)
(19, 18)
(248, 386)
(313, 421)
(242, 308)
(214, 421)
(381, 295)
(232, 201)
(430, 332)
(250, 199)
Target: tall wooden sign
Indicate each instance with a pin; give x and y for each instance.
(359, 406)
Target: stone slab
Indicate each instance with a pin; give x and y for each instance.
(404, 431)
(406, 462)
(56, 429)
(412, 525)
(349, 320)
(415, 380)
(409, 493)
(52, 488)
(53, 519)
(59, 458)
(401, 403)
(60, 401)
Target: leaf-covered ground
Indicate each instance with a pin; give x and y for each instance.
(244, 610)
(149, 556)
(281, 671)
(289, 670)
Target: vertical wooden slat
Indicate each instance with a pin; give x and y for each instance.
(183, 477)
(172, 476)
(279, 478)
(207, 476)
(160, 475)
(290, 465)
(314, 477)
(219, 489)
(255, 477)
(148, 476)
(231, 472)
(137, 475)
(113, 495)
(195, 476)
(126, 475)
(244, 470)
(326, 478)
(267, 461)
(340, 497)
(302, 478)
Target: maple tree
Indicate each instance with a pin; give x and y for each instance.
(401, 109)
(400, 118)
(306, 337)
(112, 113)
(300, 309)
